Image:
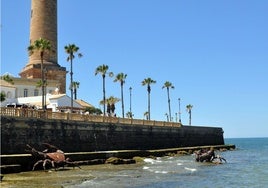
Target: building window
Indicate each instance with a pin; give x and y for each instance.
(36, 92)
(25, 93)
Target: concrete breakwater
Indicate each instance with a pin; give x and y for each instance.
(79, 136)
(16, 163)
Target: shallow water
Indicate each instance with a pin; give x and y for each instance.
(246, 167)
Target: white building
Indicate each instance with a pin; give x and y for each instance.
(25, 91)
(28, 87)
(53, 100)
(55, 103)
(8, 90)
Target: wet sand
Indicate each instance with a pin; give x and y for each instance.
(60, 178)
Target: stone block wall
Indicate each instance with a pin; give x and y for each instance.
(72, 136)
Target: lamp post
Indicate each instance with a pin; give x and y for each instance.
(44, 84)
(179, 110)
(130, 110)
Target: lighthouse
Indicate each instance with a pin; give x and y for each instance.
(44, 25)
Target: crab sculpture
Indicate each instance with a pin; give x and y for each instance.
(208, 156)
(50, 156)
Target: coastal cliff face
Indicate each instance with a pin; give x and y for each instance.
(74, 136)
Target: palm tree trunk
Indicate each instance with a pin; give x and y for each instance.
(42, 77)
(109, 109)
(103, 88)
(149, 113)
(169, 105)
(190, 117)
(75, 93)
(71, 73)
(122, 98)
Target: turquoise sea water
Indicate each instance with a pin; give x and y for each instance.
(247, 166)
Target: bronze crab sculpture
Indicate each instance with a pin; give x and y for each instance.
(50, 156)
(208, 156)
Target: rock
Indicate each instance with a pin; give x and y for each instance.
(116, 161)
(90, 162)
(182, 153)
(138, 159)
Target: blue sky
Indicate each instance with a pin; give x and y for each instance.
(215, 53)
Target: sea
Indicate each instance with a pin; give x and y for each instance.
(246, 166)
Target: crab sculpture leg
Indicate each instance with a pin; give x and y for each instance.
(45, 162)
(37, 163)
(218, 157)
(71, 163)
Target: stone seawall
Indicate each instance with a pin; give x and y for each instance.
(74, 136)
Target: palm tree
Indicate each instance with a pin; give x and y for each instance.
(3, 96)
(146, 115)
(72, 49)
(75, 86)
(7, 78)
(40, 83)
(93, 110)
(121, 77)
(129, 115)
(102, 69)
(166, 114)
(148, 82)
(168, 85)
(189, 110)
(42, 46)
(111, 101)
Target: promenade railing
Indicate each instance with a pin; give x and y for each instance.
(40, 114)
